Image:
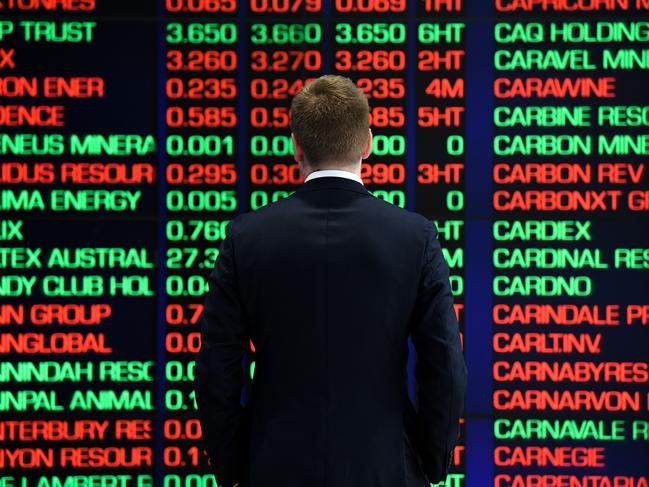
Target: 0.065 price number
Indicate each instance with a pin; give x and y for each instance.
(196, 6)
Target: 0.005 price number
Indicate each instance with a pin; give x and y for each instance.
(201, 201)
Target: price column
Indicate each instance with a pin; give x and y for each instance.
(440, 112)
(373, 55)
(200, 175)
(285, 45)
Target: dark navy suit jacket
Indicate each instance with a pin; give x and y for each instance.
(328, 283)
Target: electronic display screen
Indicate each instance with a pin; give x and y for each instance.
(132, 132)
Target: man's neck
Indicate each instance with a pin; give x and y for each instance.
(354, 170)
(334, 172)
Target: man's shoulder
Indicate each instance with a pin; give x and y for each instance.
(384, 213)
(402, 214)
(400, 219)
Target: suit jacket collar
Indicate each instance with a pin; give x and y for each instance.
(332, 182)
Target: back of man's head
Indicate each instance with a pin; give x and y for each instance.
(330, 121)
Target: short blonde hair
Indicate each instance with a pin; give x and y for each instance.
(330, 120)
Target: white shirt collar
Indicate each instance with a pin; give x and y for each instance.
(339, 173)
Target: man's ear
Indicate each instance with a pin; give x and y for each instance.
(298, 154)
(368, 147)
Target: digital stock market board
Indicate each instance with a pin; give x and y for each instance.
(132, 132)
